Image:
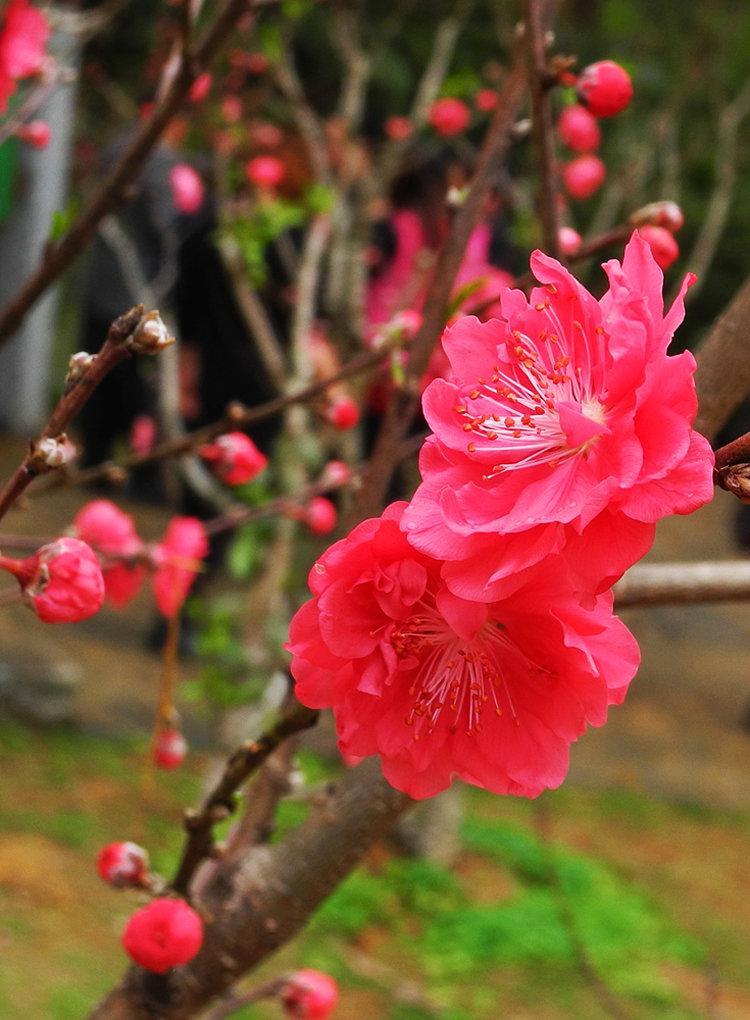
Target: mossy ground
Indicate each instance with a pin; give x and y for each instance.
(623, 897)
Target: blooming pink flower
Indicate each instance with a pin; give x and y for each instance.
(583, 176)
(170, 749)
(441, 687)
(398, 129)
(37, 134)
(178, 559)
(310, 994)
(235, 458)
(111, 532)
(578, 129)
(187, 188)
(449, 116)
(122, 864)
(569, 240)
(265, 171)
(163, 934)
(62, 582)
(663, 246)
(320, 515)
(605, 88)
(565, 428)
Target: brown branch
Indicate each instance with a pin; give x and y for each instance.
(117, 347)
(650, 584)
(236, 1000)
(61, 254)
(723, 375)
(307, 120)
(221, 802)
(543, 131)
(401, 410)
(236, 416)
(256, 905)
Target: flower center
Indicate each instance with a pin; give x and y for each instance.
(539, 406)
(457, 680)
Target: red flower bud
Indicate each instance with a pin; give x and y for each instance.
(663, 246)
(398, 129)
(187, 189)
(336, 473)
(310, 994)
(578, 129)
(343, 413)
(569, 240)
(235, 458)
(320, 515)
(123, 864)
(170, 749)
(583, 176)
(605, 88)
(36, 133)
(163, 934)
(486, 100)
(200, 88)
(265, 171)
(62, 581)
(449, 116)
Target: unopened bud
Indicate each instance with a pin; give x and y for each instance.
(736, 479)
(54, 452)
(659, 214)
(151, 335)
(78, 366)
(456, 197)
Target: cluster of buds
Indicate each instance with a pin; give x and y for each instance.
(604, 89)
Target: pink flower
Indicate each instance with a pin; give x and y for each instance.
(170, 749)
(569, 240)
(320, 515)
(178, 559)
(112, 534)
(583, 176)
(142, 434)
(605, 88)
(265, 135)
(663, 246)
(163, 934)
(441, 687)
(265, 171)
(37, 134)
(235, 458)
(62, 581)
(565, 428)
(398, 129)
(187, 188)
(310, 994)
(123, 864)
(578, 129)
(449, 116)
(23, 40)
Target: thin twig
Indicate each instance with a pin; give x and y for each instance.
(543, 130)
(650, 584)
(237, 1000)
(221, 802)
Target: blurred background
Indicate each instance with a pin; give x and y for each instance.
(620, 895)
